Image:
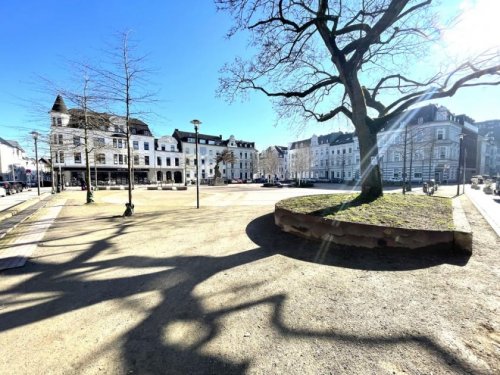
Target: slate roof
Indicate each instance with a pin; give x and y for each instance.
(328, 138)
(59, 105)
(300, 144)
(281, 150)
(343, 139)
(103, 119)
(183, 136)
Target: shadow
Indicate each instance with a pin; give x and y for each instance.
(272, 239)
(146, 346)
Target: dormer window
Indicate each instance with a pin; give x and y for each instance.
(59, 121)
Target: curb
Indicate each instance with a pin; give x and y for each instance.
(374, 236)
(16, 215)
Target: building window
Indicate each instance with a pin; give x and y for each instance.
(203, 141)
(60, 139)
(168, 162)
(442, 152)
(115, 158)
(78, 158)
(136, 159)
(440, 134)
(146, 160)
(396, 156)
(191, 140)
(101, 159)
(117, 143)
(176, 162)
(146, 146)
(76, 140)
(135, 145)
(163, 147)
(158, 161)
(172, 148)
(98, 142)
(59, 121)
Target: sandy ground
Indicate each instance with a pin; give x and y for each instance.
(220, 290)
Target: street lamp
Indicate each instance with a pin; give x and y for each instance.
(461, 136)
(196, 124)
(35, 138)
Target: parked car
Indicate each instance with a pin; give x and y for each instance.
(480, 179)
(12, 187)
(3, 192)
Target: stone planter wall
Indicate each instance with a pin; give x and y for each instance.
(374, 236)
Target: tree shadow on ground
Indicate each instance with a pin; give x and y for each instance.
(272, 239)
(144, 347)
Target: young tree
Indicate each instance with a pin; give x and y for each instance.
(270, 162)
(324, 58)
(86, 98)
(301, 163)
(124, 82)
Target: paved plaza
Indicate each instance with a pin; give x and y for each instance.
(221, 290)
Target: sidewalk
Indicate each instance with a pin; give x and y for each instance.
(12, 217)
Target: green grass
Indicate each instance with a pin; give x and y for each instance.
(392, 210)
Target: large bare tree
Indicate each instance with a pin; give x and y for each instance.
(321, 58)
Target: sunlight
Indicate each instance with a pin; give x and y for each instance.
(476, 29)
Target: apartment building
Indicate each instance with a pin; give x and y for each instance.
(423, 143)
(209, 147)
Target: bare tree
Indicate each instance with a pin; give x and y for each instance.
(87, 99)
(270, 162)
(124, 82)
(320, 59)
(301, 163)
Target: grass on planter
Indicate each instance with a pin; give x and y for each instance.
(393, 210)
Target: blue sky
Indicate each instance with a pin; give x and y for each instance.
(186, 45)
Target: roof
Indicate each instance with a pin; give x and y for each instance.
(183, 136)
(240, 143)
(281, 149)
(343, 139)
(300, 144)
(13, 144)
(328, 138)
(104, 119)
(59, 105)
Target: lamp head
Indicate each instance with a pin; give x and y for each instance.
(35, 135)
(196, 124)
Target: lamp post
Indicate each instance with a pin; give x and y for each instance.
(461, 136)
(196, 124)
(35, 138)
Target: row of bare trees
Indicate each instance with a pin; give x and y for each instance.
(112, 91)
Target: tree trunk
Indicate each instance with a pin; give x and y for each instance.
(371, 183)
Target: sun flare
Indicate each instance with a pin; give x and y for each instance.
(476, 30)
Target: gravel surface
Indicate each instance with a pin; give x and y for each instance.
(221, 290)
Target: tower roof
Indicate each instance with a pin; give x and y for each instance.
(59, 105)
